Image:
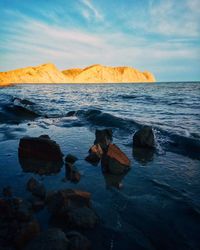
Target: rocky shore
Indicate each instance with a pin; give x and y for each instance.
(70, 210)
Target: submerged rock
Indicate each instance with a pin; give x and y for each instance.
(36, 188)
(143, 155)
(52, 239)
(61, 199)
(114, 161)
(40, 155)
(144, 138)
(83, 217)
(7, 191)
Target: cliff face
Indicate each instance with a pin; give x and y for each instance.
(103, 74)
(48, 73)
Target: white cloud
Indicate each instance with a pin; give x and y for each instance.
(89, 11)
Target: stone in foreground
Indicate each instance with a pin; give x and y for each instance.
(115, 161)
(144, 138)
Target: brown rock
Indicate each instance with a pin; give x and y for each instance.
(115, 161)
(36, 188)
(95, 154)
(72, 173)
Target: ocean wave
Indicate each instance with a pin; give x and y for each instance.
(166, 140)
(16, 110)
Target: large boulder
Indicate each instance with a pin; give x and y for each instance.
(52, 239)
(82, 217)
(144, 138)
(40, 155)
(114, 161)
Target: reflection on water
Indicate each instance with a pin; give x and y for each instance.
(40, 167)
(143, 155)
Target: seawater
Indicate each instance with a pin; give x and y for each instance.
(158, 206)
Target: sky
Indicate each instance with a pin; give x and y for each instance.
(161, 36)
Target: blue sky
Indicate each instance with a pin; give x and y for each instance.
(162, 36)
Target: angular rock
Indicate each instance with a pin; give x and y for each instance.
(40, 155)
(103, 137)
(144, 138)
(78, 241)
(36, 188)
(52, 239)
(82, 217)
(114, 161)
(41, 148)
(95, 154)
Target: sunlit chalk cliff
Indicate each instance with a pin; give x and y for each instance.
(103, 74)
(48, 73)
(45, 73)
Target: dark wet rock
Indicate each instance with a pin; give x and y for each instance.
(36, 188)
(114, 161)
(40, 155)
(5, 209)
(78, 241)
(58, 201)
(7, 191)
(41, 148)
(143, 155)
(82, 217)
(103, 137)
(71, 113)
(17, 101)
(71, 173)
(70, 159)
(144, 138)
(95, 154)
(52, 239)
(25, 233)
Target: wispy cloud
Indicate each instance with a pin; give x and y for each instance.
(89, 11)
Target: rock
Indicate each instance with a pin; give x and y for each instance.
(103, 137)
(40, 155)
(71, 113)
(143, 155)
(41, 148)
(62, 199)
(72, 173)
(82, 217)
(114, 180)
(95, 154)
(26, 233)
(7, 191)
(78, 241)
(144, 138)
(114, 161)
(70, 159)
(36, 188)
(52, 239)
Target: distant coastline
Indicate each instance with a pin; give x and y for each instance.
(49, 73)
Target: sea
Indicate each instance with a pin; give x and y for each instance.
(155, 205)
